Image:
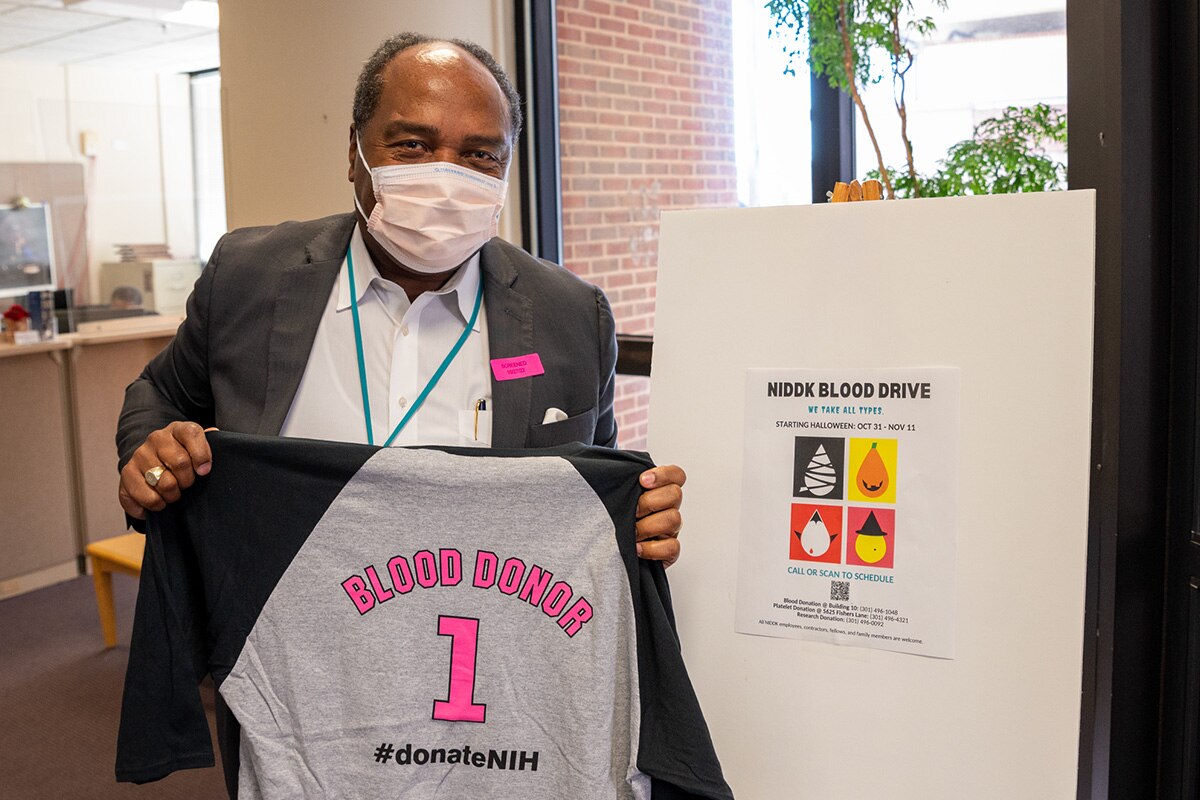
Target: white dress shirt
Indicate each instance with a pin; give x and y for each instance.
(403, 345)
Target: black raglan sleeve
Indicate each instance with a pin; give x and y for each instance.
(212, 560)
(675, 748)
(163, 724)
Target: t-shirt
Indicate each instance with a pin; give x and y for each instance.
(426, 622)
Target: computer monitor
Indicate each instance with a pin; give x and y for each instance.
(26, 250)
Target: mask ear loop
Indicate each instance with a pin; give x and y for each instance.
(363, 159)
(358, 145)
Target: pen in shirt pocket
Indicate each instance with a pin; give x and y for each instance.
(480, 405)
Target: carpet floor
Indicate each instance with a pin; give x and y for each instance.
(60, 700)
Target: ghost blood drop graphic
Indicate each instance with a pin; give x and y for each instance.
(815, 533)
(816, 539)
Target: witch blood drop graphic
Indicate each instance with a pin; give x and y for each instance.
(871, 546)
(872, 474)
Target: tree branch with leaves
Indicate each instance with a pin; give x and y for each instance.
(1005, 154)
(837, 37)
(901, 57)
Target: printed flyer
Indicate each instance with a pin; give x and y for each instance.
(848, 507)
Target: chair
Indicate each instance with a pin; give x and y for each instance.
(115, 554)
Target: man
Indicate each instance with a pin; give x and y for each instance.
(125, 297)
(387, 320)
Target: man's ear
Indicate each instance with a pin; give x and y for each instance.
(353, 152)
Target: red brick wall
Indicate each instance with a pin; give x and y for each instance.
(646, 124)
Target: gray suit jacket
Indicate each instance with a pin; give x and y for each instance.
(238, 358)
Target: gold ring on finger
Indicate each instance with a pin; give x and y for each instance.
(154, 475)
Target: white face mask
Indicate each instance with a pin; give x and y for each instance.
(432, 217)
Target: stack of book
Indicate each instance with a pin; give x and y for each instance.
(142, 252)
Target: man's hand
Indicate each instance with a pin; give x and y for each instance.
(182, 450)
(658, 517)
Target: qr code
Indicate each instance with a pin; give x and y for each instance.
(839, 590)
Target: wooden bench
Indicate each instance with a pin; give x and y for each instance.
(116, 554)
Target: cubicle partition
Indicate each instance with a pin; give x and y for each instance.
(38, 541)
(59, 402)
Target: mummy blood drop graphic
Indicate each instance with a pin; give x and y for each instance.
(819, 476)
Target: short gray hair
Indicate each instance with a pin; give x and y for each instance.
(370, 80)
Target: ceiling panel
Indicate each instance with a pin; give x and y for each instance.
(47, 54)
(85, 44)
(188, 55)
(14, 36)
(113, 34)
(140, 31)
(53, 20)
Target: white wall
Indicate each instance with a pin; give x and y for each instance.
(139, 184)
(288, 69)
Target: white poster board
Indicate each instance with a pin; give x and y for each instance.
(1000, 288)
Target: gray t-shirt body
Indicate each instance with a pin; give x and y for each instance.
(428, 623)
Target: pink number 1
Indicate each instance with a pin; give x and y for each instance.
(464, 643)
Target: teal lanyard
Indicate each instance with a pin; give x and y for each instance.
(362, 364)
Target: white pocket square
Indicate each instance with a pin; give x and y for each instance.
(554, 415)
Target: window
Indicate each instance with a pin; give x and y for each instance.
(208, 161)
(986, 55)
(645, 125)
(773, 131)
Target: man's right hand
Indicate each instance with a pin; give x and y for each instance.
(182, 449)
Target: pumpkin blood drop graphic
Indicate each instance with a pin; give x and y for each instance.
(872, 474)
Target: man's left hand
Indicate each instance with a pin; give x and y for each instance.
(658, 517)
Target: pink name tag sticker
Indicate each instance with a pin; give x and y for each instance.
(507, 369)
